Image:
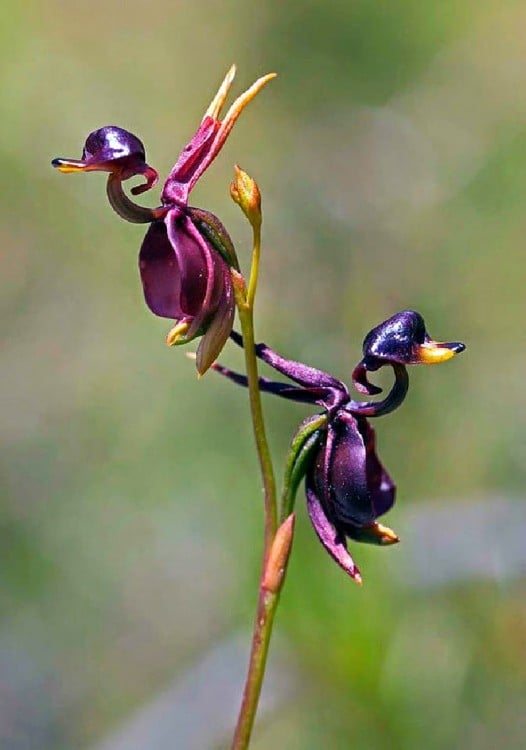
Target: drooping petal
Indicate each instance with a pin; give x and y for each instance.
(332, 540)
(178, 270)
(381, 487)
(346, 476)
(185, 278)
(202, 269)
(160, 273)
(218, 329)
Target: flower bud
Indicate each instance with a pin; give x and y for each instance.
(245, 192)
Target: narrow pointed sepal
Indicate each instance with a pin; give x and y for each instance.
(216, 335)
(331, 539)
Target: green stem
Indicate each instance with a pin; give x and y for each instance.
(267, 605)
(245, 305)
(254, 269)
(265, 461)
(267, 600)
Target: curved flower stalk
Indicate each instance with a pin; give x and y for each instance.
(186, 255)
(347, 487)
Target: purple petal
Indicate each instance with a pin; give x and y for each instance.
(160, 273)
(333, 542)
(351, 500)
(381, 486)
(202, 270)
(177, 270)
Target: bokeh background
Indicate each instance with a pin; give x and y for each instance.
(391, 154)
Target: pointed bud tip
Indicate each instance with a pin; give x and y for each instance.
(245, 192)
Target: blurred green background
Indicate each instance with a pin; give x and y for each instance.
(391, 154)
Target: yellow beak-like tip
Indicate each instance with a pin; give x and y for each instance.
(386, 535)
(432, 352)
(69, 165)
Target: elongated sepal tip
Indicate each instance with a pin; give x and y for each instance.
(278, 557)
(333, 541)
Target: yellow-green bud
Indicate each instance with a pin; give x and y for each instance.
(245, 192)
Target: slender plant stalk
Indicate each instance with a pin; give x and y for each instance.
(267, 600)
(267, 605)
(245, 305)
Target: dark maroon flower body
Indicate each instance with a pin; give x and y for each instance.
(347, 487)
(186, 279)
(186, 255)
(347, 476)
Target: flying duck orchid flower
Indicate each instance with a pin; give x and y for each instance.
(186, 255)
(347, 487)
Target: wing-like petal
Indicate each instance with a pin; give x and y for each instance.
(332, 540)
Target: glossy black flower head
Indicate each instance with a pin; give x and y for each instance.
(119, 152)
(186, 256)
(399, 341)
(347, 487)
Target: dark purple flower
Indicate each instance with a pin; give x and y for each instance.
(347, 489)
(346, 485)
(186, 255)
